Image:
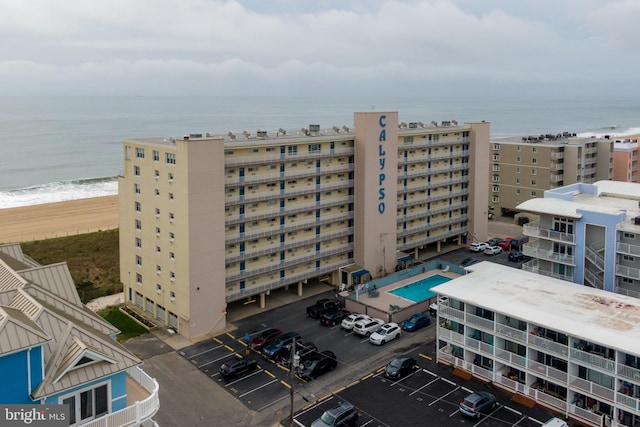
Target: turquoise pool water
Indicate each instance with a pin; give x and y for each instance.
(420, 290)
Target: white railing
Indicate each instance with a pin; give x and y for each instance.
(480, 321)
(626, 248)
(449, 335)
(512, 385)
(548, 346)
(629, 401)
(630, 272)
(547, 371)
(511, 358)
(534, 267)
(511, 333)
(137, 413)
(547, 399)
(629, 372)
(479, 346)
(533, 229)
(593, 360)
(533, 249)
(591, 418)
(593, 388)
(451, 313)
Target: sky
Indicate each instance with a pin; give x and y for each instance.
(314, 48)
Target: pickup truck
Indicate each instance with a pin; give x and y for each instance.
(321, 307)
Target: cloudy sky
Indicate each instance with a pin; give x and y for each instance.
(294, 47)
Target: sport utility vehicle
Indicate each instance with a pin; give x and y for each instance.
(303, 350)
(478, 246)
(275, 346)
(345, 414)
(367, 326)
(474, 404)
(319, 364)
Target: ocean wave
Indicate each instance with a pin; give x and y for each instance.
(59, 191)
(619, 134)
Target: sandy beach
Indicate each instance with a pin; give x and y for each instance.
(60, 219)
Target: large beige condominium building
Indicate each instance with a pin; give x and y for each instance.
(523, 168)
(208, 220)
(625, 159)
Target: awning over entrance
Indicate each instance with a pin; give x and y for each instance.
(359, 273)
(406, 258)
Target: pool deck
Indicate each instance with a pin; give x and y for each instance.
(385, 299)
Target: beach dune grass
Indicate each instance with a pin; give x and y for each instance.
(92, 258)
(128, 327)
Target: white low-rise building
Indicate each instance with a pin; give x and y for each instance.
(571, 348)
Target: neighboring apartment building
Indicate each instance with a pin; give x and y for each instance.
(572, 349)
(625, 159)
(53, 350)
(207, 220)
(523, 168)
(587, 234)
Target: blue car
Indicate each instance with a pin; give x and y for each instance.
(416, 322)
(277, 345)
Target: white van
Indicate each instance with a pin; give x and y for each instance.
(555, 422)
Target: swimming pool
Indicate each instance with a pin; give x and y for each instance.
(420, 290)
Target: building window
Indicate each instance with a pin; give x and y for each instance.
(172, 276)
(138, 260)
(172, 256)
(534, 161)
(156, 173)
(496, 146)
(171, 217)
(157, 213)
(140, 152)
(314, 148)
(138, 207)
(138, 225)
(139, 278)
(87, 404)
(170, 196)
(158, 270)
(158, 288)
(170, 175)
(292, 150)
(534, 172)
(628, 258)
(138, 242)
(629, 236)
(496, 157)
(172, 236)
(173, 296)
(517, 180)
(496, 178)
(171, 158)
(158, 249)
(495, 199)
(157, 231)
(136, 188)
(157, 193)
(156, 156)
(533, 182)
(496, 188)
(517, 148)
(517, 170)
(517, 191)
(496, 168)
(408, 139)
(534, 149)
(136, 170)
(533, 193)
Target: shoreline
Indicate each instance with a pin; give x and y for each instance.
(59, 219)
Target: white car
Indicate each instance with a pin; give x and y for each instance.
(478, 246)
(386, 333)
(367, 326)
(441, 301)
(352, 319)
(493, 250)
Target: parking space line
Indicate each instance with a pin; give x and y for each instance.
(364, 340)
(403, 378)
(269, 373)
(426, 385)
(326, 397)
(520, 420)
(425, 356)
(230, 336)
(442, 397)
(284, 368)
(206, 351)
(352, 384)
(258, 388)
(489, 415)
(467, 389)
(286, 396)
(217, 340)
(449, 381)
(242, 342)
(243, 378)
(429, 372)
(513, 410)
(314, 404)
(366, 377)
(229, 348)
(285, 384)
(298, 422)
(217, 360)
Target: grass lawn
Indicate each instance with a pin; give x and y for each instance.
(129, 328)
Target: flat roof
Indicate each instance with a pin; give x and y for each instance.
(597, 316)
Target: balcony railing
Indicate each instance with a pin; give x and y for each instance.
(533, 249)
(592, 388)
(630, 402)
(511, 333)
(479, 346)
(137, 413)
(543, 370)
(629, 372)
(534, 267)
(548, 346)
(474, 320)
(451, 313)
(533, 229)
(593, 360)
(450, 336)
(627, 249)
(511, 358)
(629, 272)
(591, 418)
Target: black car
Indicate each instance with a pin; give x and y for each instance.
(468, 262)
(345, 414)
(264, 337)
(318, 365)
(399, 367)
(516, 256)
(333, 318)
(237, 367)
(303, 350)
(321, 307)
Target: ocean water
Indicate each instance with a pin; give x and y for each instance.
(65, 148)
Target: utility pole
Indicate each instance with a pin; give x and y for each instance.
(294, 366)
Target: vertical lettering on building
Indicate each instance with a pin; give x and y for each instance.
(382, 159)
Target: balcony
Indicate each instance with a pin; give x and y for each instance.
(451, 313)
(510, 358)
(545, 371)
(511, 333)
(534, 250)
(533, 229)
(592, 388)
(477, 321)
(479, 346)
(627, 249)
(548, 346)
(593, 360)
(629, 372)
(629, 272)
(589, 417)
(534, 267)
(450, 336)
(556, 177)
(142, 400)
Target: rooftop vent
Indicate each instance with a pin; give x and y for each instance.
(231, 135)
(195, 135)
(345, 128)
(246, 134)
(282, 132)
(261, 133)
(636, 220)
(314, 130)
(413, 125)
(336, 129)
(446, 123)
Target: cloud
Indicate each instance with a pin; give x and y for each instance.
(166, 47)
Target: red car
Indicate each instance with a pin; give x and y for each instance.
(506, 243)
(258, 342)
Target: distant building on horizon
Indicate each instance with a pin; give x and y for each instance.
(625, 159)
(209, 220)
(523, 168)
(587, 234)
